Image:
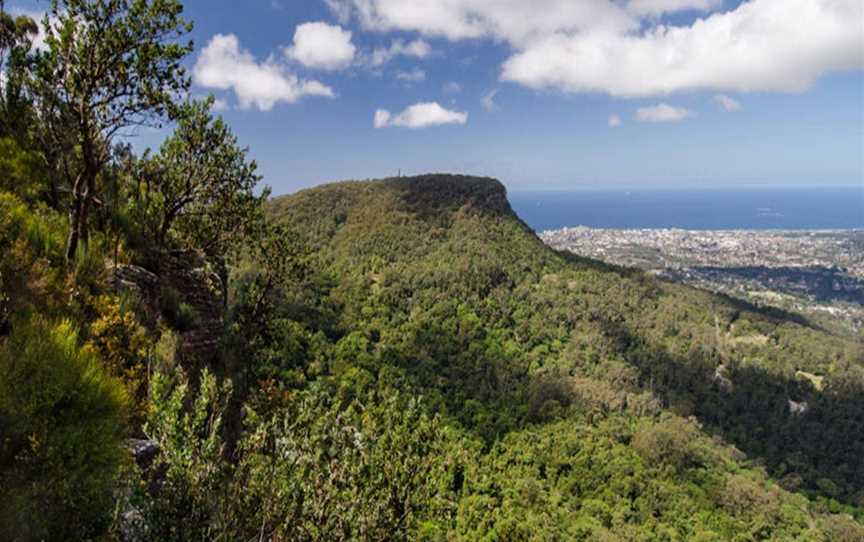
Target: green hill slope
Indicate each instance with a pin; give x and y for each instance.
(574, 379)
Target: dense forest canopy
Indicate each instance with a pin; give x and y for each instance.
(184, 358)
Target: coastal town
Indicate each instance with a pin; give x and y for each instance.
(819, 273)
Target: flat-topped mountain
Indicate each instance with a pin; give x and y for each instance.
(436, 278)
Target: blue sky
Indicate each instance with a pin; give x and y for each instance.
(545, 95)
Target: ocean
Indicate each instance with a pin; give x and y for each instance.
(704, 209)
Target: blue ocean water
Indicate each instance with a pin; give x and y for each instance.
(703, 209)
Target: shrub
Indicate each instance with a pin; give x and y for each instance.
(122, 343)
(189, 503)
(177, 313)
(672, 441)
(61, 425)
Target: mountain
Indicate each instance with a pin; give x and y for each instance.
(588, 398)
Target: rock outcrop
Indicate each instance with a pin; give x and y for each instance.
(184, 282)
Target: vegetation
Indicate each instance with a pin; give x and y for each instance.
(383, 360)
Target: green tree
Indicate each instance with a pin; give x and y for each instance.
(16, 40)
(200, 187)
(111, 66)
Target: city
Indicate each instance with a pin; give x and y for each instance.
(817, 273)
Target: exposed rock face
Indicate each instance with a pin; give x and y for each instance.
(200, 286)
(184, 278)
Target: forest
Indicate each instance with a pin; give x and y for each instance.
(184, 357)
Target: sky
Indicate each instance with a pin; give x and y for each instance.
(542, 94)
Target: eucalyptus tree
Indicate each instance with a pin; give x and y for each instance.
(202, 185)
(17, 35)
(111, 66)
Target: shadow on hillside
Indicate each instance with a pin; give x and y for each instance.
(824, 284)
(434, 195)
(819, 451)
(487, 395)
(774, 313)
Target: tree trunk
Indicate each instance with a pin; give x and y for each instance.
(74, 226)
(78, 215)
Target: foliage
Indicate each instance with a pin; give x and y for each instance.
(398, 359)
(199, 188)
(189, 500)
(62, 420)
(123, 345)
(110, 65)
(319, 471)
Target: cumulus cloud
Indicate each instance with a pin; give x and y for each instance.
(763, 45)
(418, 48)
(224, 65)
(659, 7)
(413, 75)
(506, 20)
(621, 48)
(614, 121)
(322, 46)
(487, 101)
(421, 115)
(662, 113)
(728, 104)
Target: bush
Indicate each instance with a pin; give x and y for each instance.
(189, 503)
(61, 427)
(122, 343)
(178, 314)
(672, 441)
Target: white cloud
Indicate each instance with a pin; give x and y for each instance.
(418, 48)
(763, 45)
(659, 7)
(421, 115)
(621, 48)
(487, 101)
(413, 75)
(728, 104)
(323, 46)
(452, 87)
(224, 65)
(220, 104)
(614, 121)
(340, 9)
(662, 113)
(513, 21)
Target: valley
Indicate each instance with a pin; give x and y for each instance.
(818, 273)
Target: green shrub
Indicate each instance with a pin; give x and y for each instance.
(177, 313)
(42, 230)
(672, 441)
(61, 427)
(190, 503)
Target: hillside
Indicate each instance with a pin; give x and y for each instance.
(434, 277)
(183, 358)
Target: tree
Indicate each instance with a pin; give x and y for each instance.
(16, 39)
(201, 185)
(111, 66)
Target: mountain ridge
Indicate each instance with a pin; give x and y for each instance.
(411, 258)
